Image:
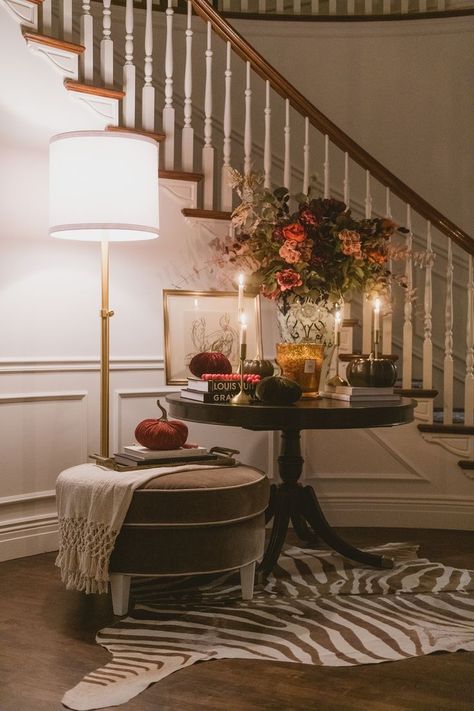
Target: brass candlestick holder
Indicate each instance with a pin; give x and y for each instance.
(241, 398)
(376, 343)
(336, 379)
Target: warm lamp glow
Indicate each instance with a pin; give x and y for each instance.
(103, 186)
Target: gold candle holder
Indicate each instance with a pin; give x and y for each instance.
(241, 398)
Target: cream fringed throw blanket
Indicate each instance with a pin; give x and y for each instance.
(92, 503)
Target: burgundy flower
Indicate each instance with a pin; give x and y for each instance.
(308, 218)
(294, 232)
(287, 279)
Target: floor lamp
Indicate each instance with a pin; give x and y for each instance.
(103, 187)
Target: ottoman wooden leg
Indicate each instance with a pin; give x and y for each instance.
(120, 589)
(247, 579)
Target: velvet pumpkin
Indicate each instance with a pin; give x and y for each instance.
(161, 433)
(258, 366)
(371, 372)
(209, 362)
(276, 390)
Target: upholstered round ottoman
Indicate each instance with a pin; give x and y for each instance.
(198, 521)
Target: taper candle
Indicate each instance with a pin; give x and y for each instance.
(240, 298)
(376, 315)
(337, 327)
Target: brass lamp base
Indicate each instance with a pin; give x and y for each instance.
(240, 399)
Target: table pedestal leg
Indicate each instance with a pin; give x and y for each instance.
(291, 501)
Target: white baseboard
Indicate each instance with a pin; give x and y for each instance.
(28, 536)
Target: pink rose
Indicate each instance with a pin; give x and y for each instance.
(350, 243)
(288, 252)
(287, 279)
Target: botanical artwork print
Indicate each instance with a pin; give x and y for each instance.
(210, 331)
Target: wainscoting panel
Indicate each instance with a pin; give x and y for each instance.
(42, 434)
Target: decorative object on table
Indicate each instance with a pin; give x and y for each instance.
(302, 363)
(336, 379)
(258, 366)
(362, 394)
(276, 390)
(242, 397)
(346, 616)
(309, 260)
(203, 321)
(103, 187)
(219, 388)
(161, 433)
(371, 372)
(209, 362)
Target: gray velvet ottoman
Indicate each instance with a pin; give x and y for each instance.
(194, 522)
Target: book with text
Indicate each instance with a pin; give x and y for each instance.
(215, 397)
(355, 391)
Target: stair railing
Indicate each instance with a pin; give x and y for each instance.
(235, 109)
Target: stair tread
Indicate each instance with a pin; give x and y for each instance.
(427, 393)
(92, 89)
(448, 429)
(181, 175)
(158, 137)
(206, 214)
(53, 42)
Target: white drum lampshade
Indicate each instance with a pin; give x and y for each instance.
(103, 186)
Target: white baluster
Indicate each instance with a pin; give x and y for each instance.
(187, 136)
(469, 383)
(296, 7)
(244, 6)
(279, 6)
(315, 7)
(427, 321)
(346, 182)
(306, 156)
(422, 6)
(448, 364)
(248, 124)
(226, 190)
(267, 146)
(368, 196)
(86, 38)
(66, 19)
(107, 47)
(350, 7)
(404, 6)
(387, 7)
(148, 91)
(262, 6)
(441, 4)
(287, 159)
(332, 7)
(46, 17)
(226, 6)
(169, 111)
(327, 187)
(408, 310)
(208, 150)
(387, 321)
(129, 73)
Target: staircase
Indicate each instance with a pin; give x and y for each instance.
(213, 102)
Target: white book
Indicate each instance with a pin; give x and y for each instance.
(372, 391)
(183, 452)
(362, 398)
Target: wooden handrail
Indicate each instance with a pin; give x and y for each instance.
(304, 107)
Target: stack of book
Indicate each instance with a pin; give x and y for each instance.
(368, 394)
(219, 388)
(134, 455)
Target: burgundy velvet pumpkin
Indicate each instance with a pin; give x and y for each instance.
(161, 433)
(209, 362)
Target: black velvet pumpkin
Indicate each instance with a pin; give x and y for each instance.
(371, 372)
(276, 390)
(257, 366)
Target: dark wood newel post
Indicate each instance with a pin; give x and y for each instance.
(290, 461)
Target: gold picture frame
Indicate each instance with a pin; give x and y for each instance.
(196, 321)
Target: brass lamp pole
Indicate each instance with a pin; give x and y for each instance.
(105, 314)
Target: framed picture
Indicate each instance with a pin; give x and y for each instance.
(197, 321)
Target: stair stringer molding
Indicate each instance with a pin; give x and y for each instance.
(387, 476)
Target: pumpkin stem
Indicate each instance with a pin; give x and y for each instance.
(164, 414)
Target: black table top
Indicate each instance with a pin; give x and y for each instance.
(307, 414)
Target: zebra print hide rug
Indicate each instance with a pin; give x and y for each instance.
(316, 609)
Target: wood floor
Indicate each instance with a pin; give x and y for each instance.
(47, 645)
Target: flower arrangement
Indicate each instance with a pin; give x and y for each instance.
(319, 251)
